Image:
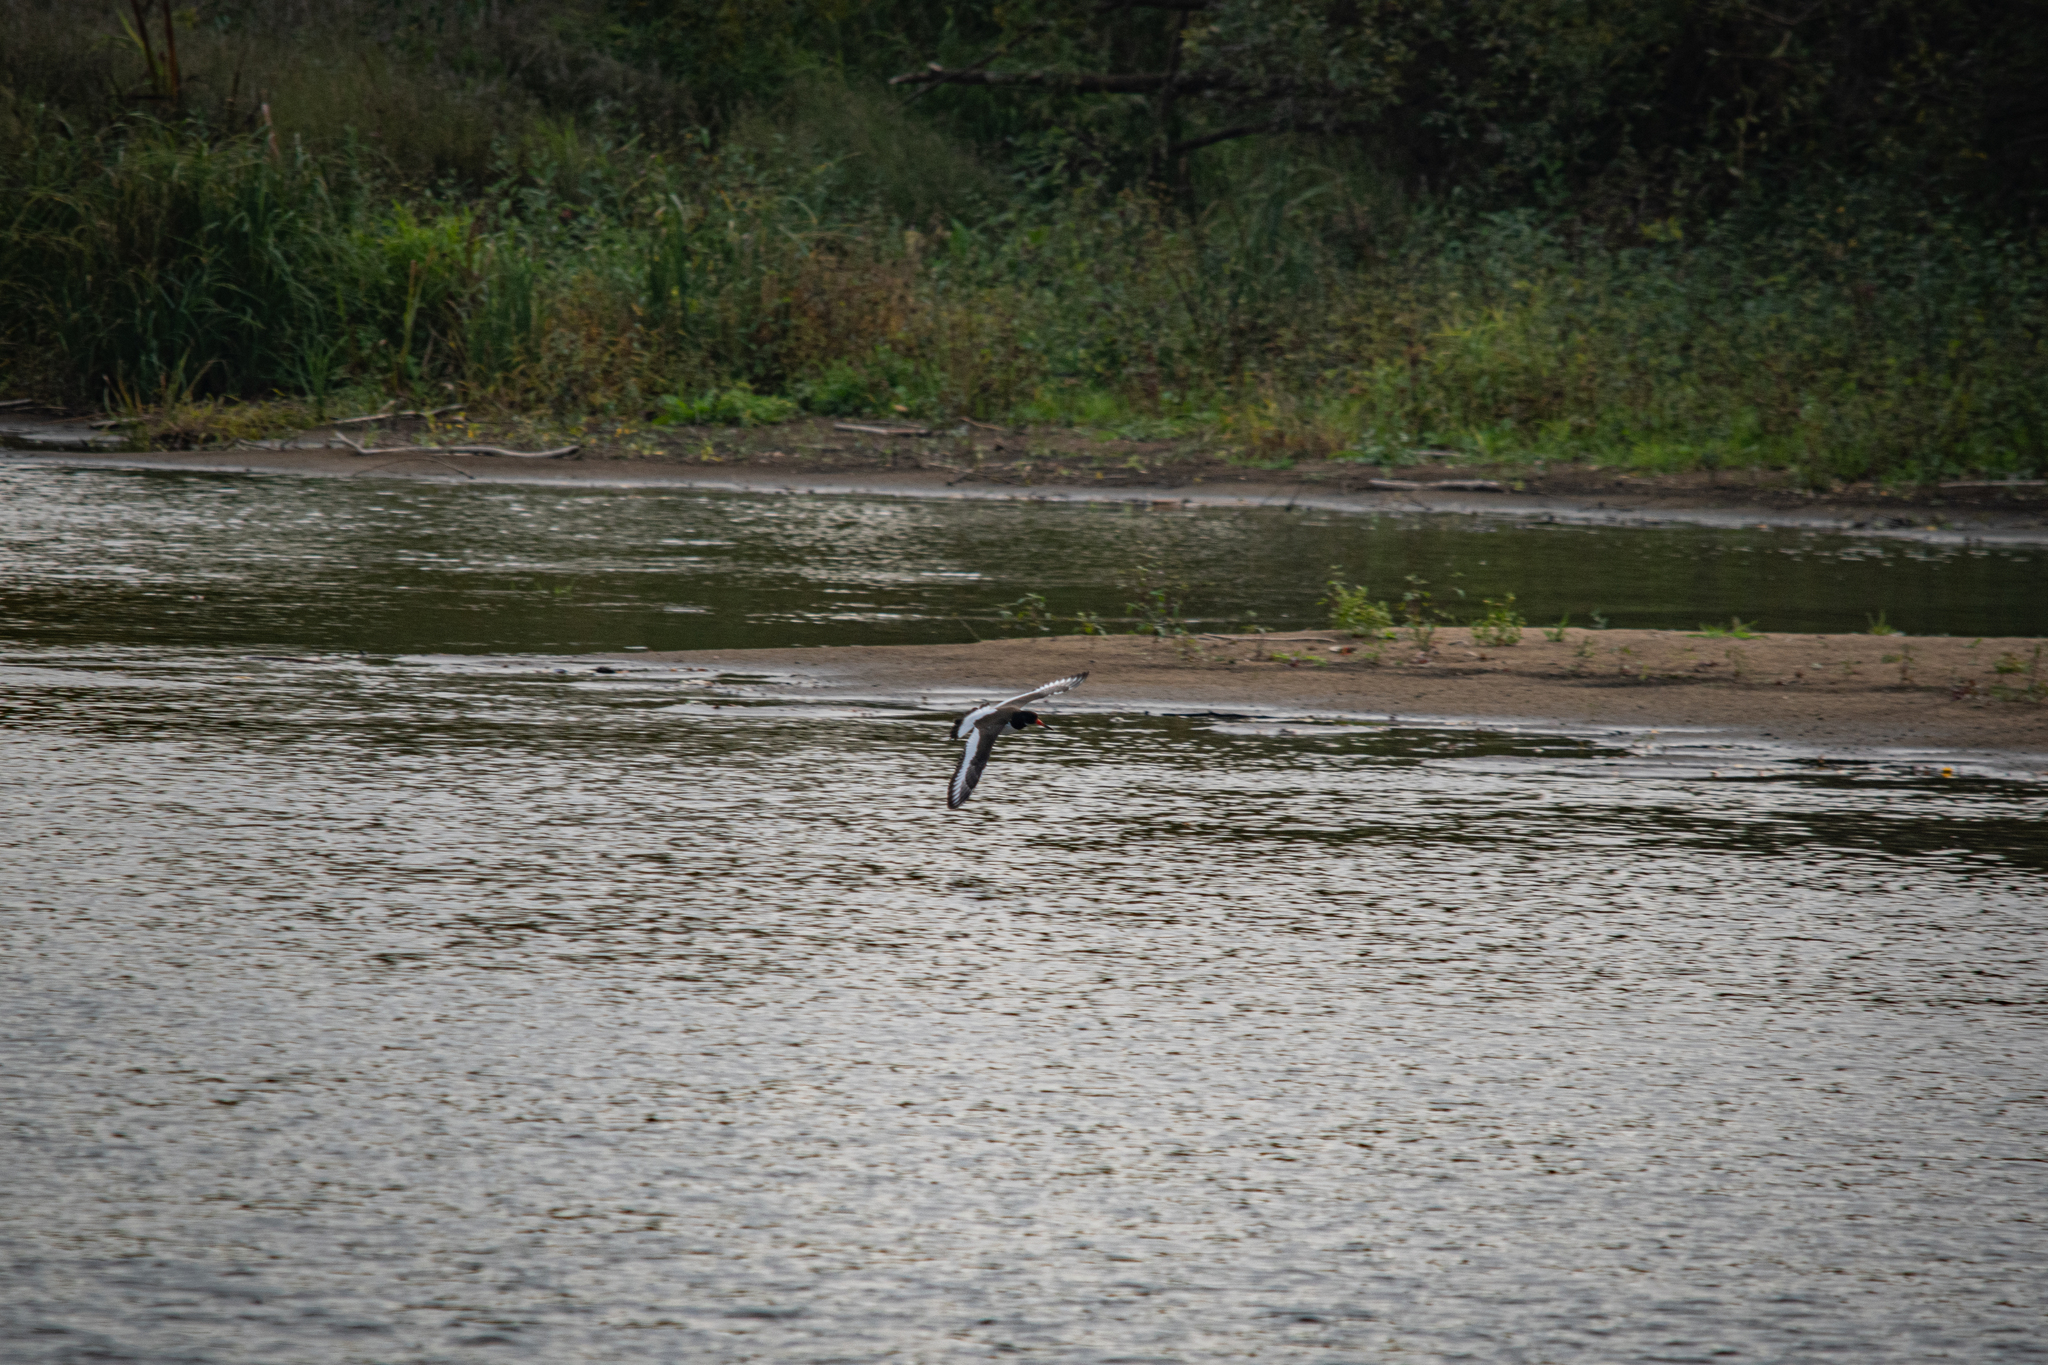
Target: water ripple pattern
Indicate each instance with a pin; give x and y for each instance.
(382, 986)
(445, 1013)
(104, 557)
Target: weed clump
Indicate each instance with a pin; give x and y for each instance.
(1353, 609)
(1500, 625)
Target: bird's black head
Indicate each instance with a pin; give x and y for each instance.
(1024, 720)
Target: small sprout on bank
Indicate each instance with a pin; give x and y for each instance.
(1501, 625)
(1555, 634)
(1736, 629)
(1880, 626)
(1904, 659)
(1419, 610)
(1353, 609)
(1029, 613)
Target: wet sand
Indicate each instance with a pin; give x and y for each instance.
(1852, 691)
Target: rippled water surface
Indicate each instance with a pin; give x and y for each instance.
(185, 559)
(420, 1007)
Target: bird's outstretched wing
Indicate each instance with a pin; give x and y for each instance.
(972, 761)
(1017, 703)
(1051, 689)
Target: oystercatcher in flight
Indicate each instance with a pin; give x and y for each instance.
(980, 727)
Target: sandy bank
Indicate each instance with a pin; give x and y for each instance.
(1852, 691)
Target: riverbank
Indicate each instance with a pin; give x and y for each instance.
(1817, 691)
(901, 467)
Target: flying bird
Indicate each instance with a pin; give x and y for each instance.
(980, 727)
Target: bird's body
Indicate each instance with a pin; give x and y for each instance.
(980, 727)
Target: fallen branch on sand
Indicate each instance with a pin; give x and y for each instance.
(396, 416)
(20, 403)
(1440, 485)
(866, 430)
(361, 449)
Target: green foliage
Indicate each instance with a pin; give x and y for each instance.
(1354, 609)
(1028, 613)
(1500, 625)
(1736, 629)
(737, 406)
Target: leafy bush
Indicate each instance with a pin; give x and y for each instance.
(739, 406)
(1355, 610)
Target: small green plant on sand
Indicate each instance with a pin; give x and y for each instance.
(1028, 613)
(2035, 688)
(1555, 634)
(1500, 625)
(1420, 614)
(1160, 602)
(1904, 659)
(1880, 626)
(1736, 629)
(1297, 660)
(1354, 609)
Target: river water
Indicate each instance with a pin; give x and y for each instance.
(383, 984)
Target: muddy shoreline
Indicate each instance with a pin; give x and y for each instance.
(1893, 694)
(1616, 500)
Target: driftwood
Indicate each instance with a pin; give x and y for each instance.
(1441, 485)
(395, 416)
(867, 430)
(20, 403)
(431, 451)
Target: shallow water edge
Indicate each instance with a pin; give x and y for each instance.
(1975, 526)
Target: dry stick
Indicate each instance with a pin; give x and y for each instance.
(393, 416)
(1999, 483)
(19, 403)
(881, 430)
(431, 451)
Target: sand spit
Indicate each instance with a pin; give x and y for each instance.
(1888, 693)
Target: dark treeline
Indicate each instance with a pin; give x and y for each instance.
(1699, 232)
